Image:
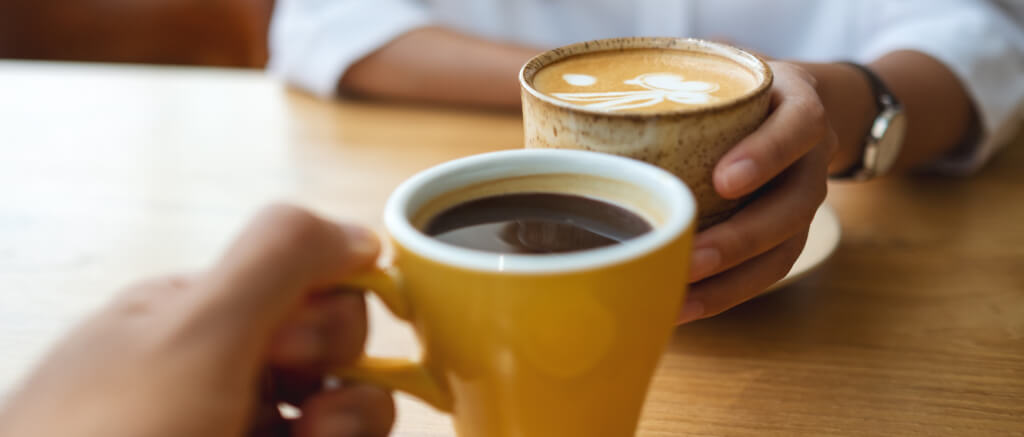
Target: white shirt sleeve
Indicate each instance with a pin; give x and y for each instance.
(980, 43)
(313, 42)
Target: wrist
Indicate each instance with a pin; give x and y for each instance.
(850, 105)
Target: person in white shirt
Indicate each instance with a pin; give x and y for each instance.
(193, 351)
(957, 66)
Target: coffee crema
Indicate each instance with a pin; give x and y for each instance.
(645, 80)
(536, 223)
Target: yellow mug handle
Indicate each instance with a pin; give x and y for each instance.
(394, 373)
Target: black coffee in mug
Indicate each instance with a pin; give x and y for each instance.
(536, 223)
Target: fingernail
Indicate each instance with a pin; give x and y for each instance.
(739, 176)
(340, 424)
(360, 241)
(704, 262)
(693, 310)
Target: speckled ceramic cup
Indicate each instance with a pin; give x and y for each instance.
(685, 141)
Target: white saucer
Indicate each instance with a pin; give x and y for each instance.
(822, 240)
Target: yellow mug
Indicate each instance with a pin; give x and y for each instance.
(555, 345)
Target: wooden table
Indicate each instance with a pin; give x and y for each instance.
(111, 173)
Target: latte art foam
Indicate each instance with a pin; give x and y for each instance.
(644, 80)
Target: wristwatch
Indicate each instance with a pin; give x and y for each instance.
(884, 139)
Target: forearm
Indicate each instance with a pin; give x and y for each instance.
(939, 112)
(440, 65)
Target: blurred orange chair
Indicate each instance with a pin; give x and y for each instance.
(230, 33)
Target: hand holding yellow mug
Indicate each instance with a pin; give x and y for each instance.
(534, 345)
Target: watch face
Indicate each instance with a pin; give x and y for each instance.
(889, 130)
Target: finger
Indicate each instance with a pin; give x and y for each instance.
(719, 293)
(781, 212)
(328, 331)
(282, 255)
(290, 386)
(282, 385)
(797, 123)
(360, 410)
(346, 330)
(267, 422)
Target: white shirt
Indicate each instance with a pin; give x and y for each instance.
(313, 42)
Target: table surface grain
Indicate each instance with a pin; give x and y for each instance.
(111, 173)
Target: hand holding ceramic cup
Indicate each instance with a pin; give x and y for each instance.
(526, 332)
(677, 103)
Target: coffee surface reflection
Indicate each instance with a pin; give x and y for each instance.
(536, 223)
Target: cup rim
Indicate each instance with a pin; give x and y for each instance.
(696, 44)
(415, 192)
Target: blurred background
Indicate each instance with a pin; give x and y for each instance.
(226, 33)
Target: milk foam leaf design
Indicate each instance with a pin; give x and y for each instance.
(659, 87)
(579, 79)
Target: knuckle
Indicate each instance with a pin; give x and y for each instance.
(793, 250)
(780, 272)
(177, 282)
(774, 150)
(819, 199)
(832, 144)
(820, 191)
(134, 302)
(141, 297)
(349, 327)
(286, 214)
(290, 225)
(804, 214)
(736, 244)
(787, 256)
(806, 75)
(813, 112)
(777, 152)
(795, 70)
(821, 194)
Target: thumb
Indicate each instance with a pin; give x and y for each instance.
(282, 256)
(359, 410)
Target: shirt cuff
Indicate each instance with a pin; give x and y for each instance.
(313, 47)
(977, 45)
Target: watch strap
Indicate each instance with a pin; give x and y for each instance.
(880, 92)
(878, 87)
